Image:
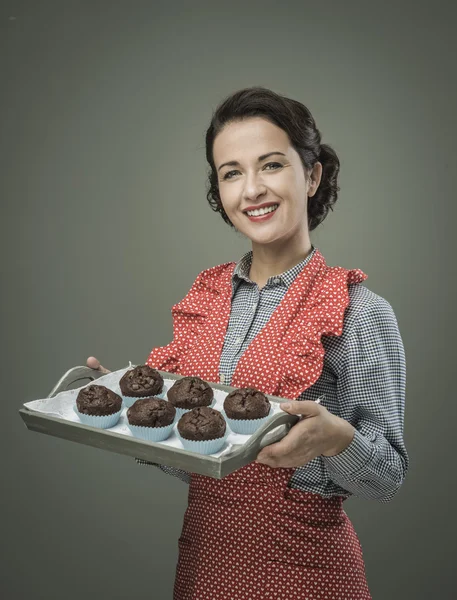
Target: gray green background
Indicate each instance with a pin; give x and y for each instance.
(104, 226)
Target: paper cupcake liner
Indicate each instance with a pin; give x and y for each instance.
(152, 434)
(103, 422)
(245, 426)
(130, 400)
(205, 446)
(181, 411)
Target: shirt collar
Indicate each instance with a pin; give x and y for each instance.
(241, 272)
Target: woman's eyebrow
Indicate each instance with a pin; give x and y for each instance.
(234, 163)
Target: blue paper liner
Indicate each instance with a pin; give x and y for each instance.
(181, 411)
(152, 434)
(102, 422)
(245, 426)
(206, 446)
(130, 400)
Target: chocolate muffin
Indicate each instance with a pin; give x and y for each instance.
(246, 403)
(151, 412)
(202, 423)
(98, 400)
(190, 392)
(140, 382)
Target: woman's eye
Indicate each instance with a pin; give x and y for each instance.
(274, 165)
(229, 173)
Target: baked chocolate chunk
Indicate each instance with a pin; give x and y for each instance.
(151, 412)
(98, 400)
(246, 403)
(190, 392)
(202, 423)
(141, 381)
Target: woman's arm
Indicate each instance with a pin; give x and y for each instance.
(353, 441)
(371, 396)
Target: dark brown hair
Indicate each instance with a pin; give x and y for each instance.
(296, 120)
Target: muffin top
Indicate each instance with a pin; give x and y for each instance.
(98, 400)
(202, 423)
(151, 412)
(246, 403)
(190, 392)
(141, 381)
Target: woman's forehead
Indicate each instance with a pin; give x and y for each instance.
(250, 137)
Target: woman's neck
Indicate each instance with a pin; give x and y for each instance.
(268, 261)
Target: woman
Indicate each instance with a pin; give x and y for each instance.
(284, 322)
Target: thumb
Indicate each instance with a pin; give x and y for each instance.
(94, 363)
(306, 408)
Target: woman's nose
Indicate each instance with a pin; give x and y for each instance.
(253, 187)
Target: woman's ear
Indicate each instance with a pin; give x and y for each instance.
(314, 179)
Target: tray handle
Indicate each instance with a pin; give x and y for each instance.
(260, 438)
(72, 376)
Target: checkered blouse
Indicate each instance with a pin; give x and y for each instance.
(363, 381)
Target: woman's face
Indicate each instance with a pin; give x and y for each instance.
(263, 189)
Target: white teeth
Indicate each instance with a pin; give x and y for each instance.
(262, 211)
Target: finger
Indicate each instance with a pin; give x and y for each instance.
(305, 408)
(294, 444)
(94, 363)
(287, 446)
(291, 459)
(289, 462)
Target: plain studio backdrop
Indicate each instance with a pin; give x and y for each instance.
(105, 225)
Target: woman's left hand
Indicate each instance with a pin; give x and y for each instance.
(318, 432)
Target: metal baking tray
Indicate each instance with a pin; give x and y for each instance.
(217, 467)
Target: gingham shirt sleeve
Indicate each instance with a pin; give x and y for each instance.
(371, 395)
(184, 476)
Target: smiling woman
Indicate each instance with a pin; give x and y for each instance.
(281, 321)
(262, 199)
(302, 137)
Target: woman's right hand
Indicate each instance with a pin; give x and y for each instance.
(94, 363)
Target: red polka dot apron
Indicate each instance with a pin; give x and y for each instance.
(249, 535)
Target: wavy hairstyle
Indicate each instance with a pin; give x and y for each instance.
(296, 120)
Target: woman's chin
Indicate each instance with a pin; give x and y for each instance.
(262, 233)
(263, 240)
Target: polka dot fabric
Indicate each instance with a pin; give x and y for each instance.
(249, 535)
(286, 358)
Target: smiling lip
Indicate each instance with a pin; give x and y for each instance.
(265, 205)
(262, 217)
